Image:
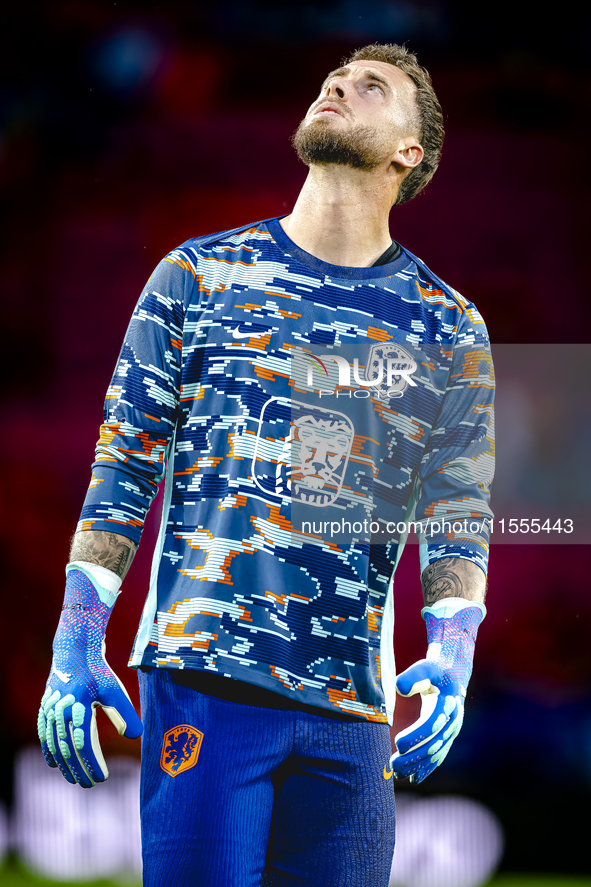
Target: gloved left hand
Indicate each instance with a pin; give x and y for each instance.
(79, 681)
(442, 680)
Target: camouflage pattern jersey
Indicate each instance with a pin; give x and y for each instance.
(304, 415)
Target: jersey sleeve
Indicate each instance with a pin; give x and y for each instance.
(141, 406)
(456, 471)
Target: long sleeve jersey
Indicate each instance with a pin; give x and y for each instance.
(305, 415)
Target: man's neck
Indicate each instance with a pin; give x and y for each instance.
(341, 216)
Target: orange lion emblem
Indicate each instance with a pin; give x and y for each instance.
(180, 749)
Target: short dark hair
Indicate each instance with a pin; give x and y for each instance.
(428, 107)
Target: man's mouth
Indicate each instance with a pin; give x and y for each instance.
(328, 110)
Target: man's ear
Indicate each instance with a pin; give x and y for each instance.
(408, 155)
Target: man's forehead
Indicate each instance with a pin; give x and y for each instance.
(394, 75)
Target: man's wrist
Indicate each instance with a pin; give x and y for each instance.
(106, 583)
(107, 578)
(446, 608)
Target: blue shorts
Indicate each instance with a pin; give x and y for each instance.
(237, 795)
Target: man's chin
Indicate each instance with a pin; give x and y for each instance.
(322, 141)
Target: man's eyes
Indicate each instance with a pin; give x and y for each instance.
(370, 86)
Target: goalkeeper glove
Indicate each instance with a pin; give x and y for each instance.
(442, 680)
(80, 680)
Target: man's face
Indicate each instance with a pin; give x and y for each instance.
(362, 112)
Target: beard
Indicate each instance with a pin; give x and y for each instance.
(318, 142)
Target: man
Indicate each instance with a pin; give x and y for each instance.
(308, 387)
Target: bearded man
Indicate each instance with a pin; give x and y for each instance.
(264, 653)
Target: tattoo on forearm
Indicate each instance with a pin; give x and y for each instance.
(453, 577)
(440, 581)
(108, 550)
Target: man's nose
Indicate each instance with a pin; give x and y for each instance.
(337, 87)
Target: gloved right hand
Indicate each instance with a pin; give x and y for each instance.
(80, 680)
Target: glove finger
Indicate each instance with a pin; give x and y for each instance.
(119, 709)
(45, 726)
(416, 772)
(436, 714)
(440, 753)
(75, 762)
(86, 743)
(431, 719)
(69, 762)
(418, 678)
(42, 733)
(49, 759)
(54, 746)
(115, 701)
(410, 767)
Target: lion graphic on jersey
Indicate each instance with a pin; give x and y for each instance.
(314, 457)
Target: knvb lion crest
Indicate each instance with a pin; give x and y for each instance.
(180, 749)
(309, 463)
(320, 446)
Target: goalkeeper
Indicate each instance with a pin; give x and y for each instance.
(281, 375)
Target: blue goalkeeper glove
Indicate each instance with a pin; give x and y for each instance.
(80, 680)
(442, 680)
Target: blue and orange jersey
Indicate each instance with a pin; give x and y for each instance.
(305, 416)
